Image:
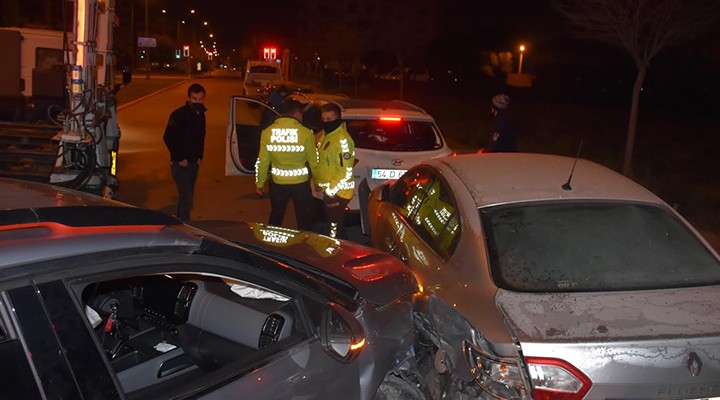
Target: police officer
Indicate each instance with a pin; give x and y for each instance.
(288, 152)
(502, 138)
(335, 171)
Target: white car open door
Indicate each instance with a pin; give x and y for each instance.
(248, 117)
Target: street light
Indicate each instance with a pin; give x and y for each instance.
(522, 51)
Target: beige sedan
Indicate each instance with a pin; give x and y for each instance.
(550, 277)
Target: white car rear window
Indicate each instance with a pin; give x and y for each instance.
(402, 135)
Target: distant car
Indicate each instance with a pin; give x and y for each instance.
(411, 74)
(389, 136)
(259, 77)
(551, 284)
(105, 301)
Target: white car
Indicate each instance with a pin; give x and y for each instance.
(260, 76)
(390, 136)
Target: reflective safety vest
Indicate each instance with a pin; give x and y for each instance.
(287, 150)
(284, 237)
(337, 159)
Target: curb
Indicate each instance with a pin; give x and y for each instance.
(133, 102)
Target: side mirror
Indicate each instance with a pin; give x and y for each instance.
(341, 334)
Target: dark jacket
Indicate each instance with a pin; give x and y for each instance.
(502, 137)
(185, 133)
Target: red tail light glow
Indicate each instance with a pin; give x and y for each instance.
(373, 267)
(390, 119)
(555, 379)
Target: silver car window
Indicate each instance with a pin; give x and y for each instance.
(591, 246)
(429, 207)
(402, 135)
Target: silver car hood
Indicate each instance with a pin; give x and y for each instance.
(643, 344)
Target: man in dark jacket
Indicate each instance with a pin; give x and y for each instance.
(502, 137)
(185, 139)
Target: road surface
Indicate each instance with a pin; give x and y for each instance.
(144, 163)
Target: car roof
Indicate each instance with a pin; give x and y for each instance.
(78, 223)
(502, 178)
(40, 222)
(374, 108)
(19, 194)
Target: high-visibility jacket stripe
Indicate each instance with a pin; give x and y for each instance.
(289, 172)
(286, 148)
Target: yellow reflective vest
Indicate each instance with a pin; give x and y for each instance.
(336, 151)
(287, 150)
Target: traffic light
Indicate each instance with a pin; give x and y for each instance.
(269, 53)
(186, 51)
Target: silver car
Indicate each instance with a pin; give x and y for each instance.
(99, 300)
(551, 280)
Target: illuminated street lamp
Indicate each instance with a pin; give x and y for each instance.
(522, 51)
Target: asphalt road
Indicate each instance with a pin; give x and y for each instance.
(144, 163)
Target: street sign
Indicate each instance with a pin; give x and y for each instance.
(146, 42)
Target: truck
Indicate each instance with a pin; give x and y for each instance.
(58, 119)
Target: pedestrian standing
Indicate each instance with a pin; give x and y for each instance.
(336, 151)
(288, 152)
(502, 136)
(185, 139)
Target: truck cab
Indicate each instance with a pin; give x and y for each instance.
(32, 78)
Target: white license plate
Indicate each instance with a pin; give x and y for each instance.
(379, 173)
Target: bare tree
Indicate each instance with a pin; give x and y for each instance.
(643, 28)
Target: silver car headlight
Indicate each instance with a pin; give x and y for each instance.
(500, 377)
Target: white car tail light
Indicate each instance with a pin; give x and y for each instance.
(555, 379)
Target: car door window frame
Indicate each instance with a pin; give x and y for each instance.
(199, 264)
(267, 116)
(13, 345)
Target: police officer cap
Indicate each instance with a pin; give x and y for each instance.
(289, 106)
(501, 101)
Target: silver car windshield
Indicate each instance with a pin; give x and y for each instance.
(394, 135)
(591, 246)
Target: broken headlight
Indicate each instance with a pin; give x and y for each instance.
(498, 376)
